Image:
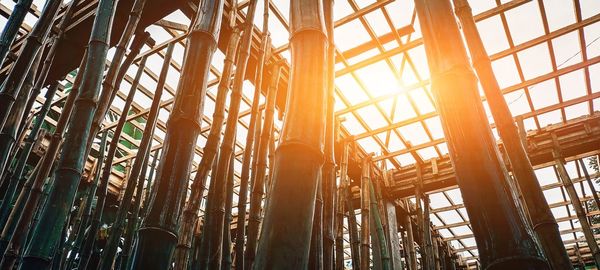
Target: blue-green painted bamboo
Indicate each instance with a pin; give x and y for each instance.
(11, 28)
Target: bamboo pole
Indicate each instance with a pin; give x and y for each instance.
(590, 183)
(190, 211)
(504, 239)
(576, 203)
(250, 156)
(107, 168)
(116, 71)
(12, 85)
(365, 214)
(226, 259)
(383, 248)
(328, 184)
(258, 187)
(212, 237)
(353, 231)
(286, 232)
(80, 235)
(14, 233)
(427, 234)
(341, 202)
(410, 239)
(150, 184)
(158, 234)
(315, 258)
(110, 249)
(12, 26)
(69, 167)
(8, 137)
(133, 216)
(543, 223)
(7, 143)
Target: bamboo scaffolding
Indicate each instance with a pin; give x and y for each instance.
(504, 239)
(87, 212)
(159, 228)
(250, 156)
(116, 71)
(112, 150)
(212, 237)
(70, 165)
(12, 26)
(365, 214)
(7, 142)
(190, 211)
(258, 187)
(15, 232)
(12, 85)
(543, 223)
(286, 232)
(110, 249)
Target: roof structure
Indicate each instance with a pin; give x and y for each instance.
(545, 55)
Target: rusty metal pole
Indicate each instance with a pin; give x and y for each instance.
(258, 187)
(11, 87)
(503, 238)
(158, 234)
(285, 237)
(69, 168)
(543, 223)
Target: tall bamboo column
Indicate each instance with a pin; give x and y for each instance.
(150, 184)
(212, 236)
(116, 71)
(410, 242)
(504, 240)
(340, 203)
(190, 211)
(15, 232)
(69, 168)
(110, 249)
(158, 234)
(576, 202)
(384, 252)
(8, 134)
(11, 86)
(365, 214)
(315, 257)
(285, 236)
(252, 141)
(12, 26)
(543, 222)
(15, 179)
(427, 235)
(226, 259)
(328, 174)
(258, 187)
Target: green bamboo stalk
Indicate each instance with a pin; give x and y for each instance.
(285, 236)
(7, 142)
(11, 88)
(109, 252)
(80, 235)
(226, 260)
(132, 219)
(258, 187)
(16, 230)
(108, 164)
(212, 237)
(383, 249)
(328, 174)
(11, 28)
(190, 211)
(365, 214)
(69, 167)
(249, 155)
(158, 234)
(341, 202)
(116, 71)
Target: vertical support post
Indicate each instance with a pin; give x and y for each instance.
(504, 239)
(341, 202)
(285, 237)
(543, 223)
(365, 215)
(158, 234)
(410, 239)
(12, 26)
